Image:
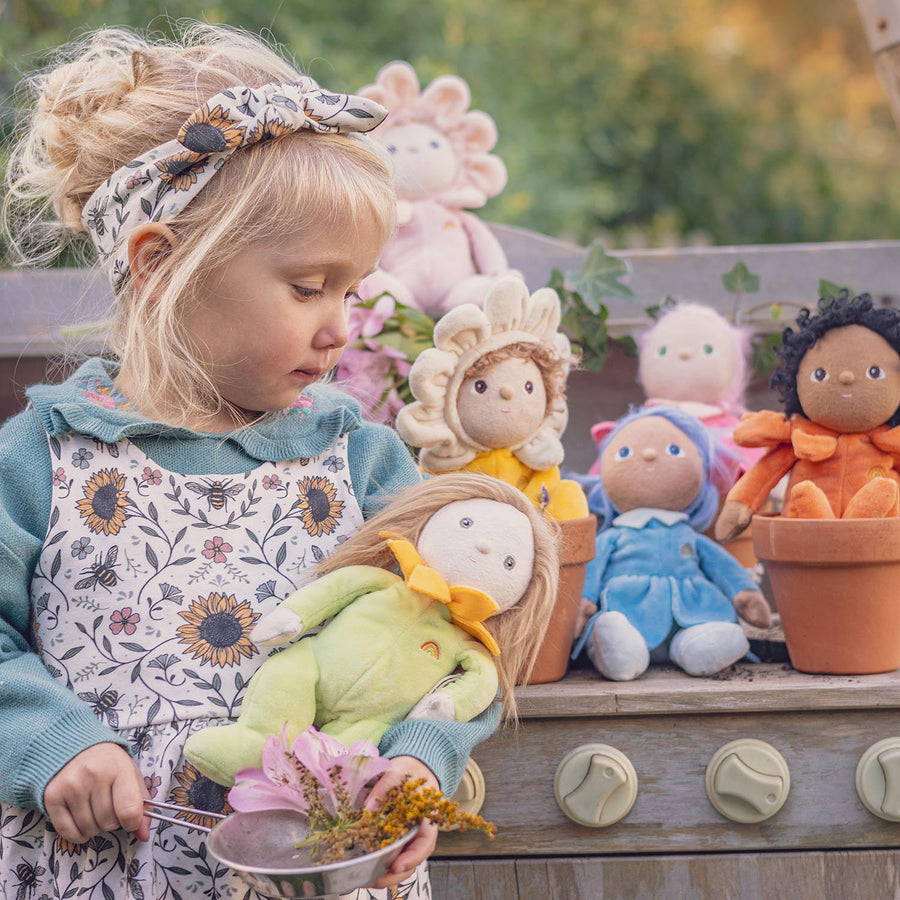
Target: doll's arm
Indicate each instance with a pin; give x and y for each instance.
(487, 253)
(318, 600)
(596, 568)
(727, 574)
(889, 442)
(752, 489)
(474, 690)
(765, 428)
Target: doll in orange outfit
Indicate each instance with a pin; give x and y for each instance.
(838, 437)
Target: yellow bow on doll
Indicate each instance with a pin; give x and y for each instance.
(468, 607)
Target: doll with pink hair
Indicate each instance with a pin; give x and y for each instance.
(695, 360)
(442, 256)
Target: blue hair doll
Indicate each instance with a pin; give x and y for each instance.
(663, 590)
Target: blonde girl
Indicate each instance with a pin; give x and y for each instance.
(161, 500)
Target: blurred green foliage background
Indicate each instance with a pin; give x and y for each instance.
(638, 122)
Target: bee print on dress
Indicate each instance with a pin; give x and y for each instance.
(217, 493)
(100, 572)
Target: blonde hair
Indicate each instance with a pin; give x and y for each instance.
(114, 95)
(519, 630)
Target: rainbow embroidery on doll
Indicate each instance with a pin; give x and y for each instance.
(432, 649)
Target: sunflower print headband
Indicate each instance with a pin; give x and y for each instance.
(161, 183)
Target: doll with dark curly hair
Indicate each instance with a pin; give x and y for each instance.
(838, 436)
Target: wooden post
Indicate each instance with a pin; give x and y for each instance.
(881, 22)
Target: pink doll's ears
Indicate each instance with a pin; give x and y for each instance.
(475, 133)
(601, 430)
(448, 98)
(486, 173)
(396, 86)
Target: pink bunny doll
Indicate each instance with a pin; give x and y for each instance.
(441, 256)
(695, 360)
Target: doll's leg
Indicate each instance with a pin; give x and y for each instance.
(807, 501)
(281, 693)
(616, 648)
(708, 648)
(876, 499)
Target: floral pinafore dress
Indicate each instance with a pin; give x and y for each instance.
(148, 585)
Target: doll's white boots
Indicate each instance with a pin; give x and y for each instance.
(619, 652)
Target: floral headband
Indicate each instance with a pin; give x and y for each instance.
(161, 183)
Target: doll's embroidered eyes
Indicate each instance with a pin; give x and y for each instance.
(674, 450)
(465, 522)
(434, 144)
(529, 387)
(391, 148)
(708, 349)
(509, 563)
(876, 373)
(819, 375)
(480, 386)
(623, 452)
(661, 351)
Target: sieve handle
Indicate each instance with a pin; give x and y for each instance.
(151, 807)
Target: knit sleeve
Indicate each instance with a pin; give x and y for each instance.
(380, 466)
(443, 746)
(43, 724)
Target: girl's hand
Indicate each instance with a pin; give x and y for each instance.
(405, 768)
(101, 789)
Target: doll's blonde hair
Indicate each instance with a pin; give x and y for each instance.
(110, 97)
(519, 630)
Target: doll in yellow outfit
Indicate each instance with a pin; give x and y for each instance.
(490, 396)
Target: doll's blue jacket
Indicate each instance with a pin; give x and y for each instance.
(658, 571)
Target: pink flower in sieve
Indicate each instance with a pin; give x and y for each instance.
(315, 763)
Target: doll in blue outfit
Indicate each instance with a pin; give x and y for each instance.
(663, 590)
(160, 502)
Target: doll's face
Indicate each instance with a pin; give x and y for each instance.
(651, 462)
(849, 380)
(482, 544)
(504, 406)
(424, 162)
(689, 355)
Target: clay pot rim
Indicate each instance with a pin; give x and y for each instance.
(826, 542)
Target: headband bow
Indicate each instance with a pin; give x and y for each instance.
(468, 607)
(161, 183)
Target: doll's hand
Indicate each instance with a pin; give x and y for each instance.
(733, 519)
(277, 627)
(752, 607)
(404, 768)
(436, 705)
(586, 608)
(101, 789)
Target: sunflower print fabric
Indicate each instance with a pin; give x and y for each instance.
(159, 184)
(146, 591)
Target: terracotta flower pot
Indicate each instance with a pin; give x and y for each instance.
(576, 551)
(837, 587)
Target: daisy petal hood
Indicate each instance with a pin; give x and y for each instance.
(461, 338)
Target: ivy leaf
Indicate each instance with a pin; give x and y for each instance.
(599, 278)
(740, 280)
(830, 289)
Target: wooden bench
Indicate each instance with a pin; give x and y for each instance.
(823, 843)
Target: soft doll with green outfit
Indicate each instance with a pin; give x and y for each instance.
(478, 571)
(490, 396)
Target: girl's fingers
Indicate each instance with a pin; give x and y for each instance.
(415, 852)
(128, 793)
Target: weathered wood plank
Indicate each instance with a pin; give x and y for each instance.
(745, 687)
(838, 875)
(672, 813)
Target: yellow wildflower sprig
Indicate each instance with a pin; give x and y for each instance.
(402, 808)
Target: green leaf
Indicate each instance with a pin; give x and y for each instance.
(600, 277)
(740, 280)
(830, 289)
